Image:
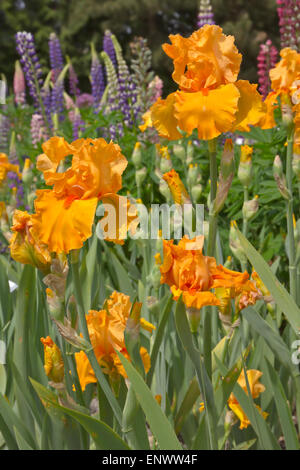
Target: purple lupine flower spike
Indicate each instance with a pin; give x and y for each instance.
(205, 15)
(73, 82)
(37, 129)
(30, 64)
(19, 85)
(266, 60)
(155, 88)
(288, 13)
(108, 47)
(77, 124)
(97, 79)
(56, 57)
(57, 64)
(57, 98)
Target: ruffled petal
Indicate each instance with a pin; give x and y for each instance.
(206, 59)
(85, 371)
(63, 224)
(286, 71)
(98, 166)
(121, 217)
(251, 109)
(55, 150)
(211, 113)
(268, 120)
(163, 118)
(223, 277)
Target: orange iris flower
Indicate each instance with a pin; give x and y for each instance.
(188, 272)
(53, 362)
(25, 245)
(285, 82)
(210, 98)
(6, 166)
(65, 214)
(177, 188)
(106, 329)
(256, 388)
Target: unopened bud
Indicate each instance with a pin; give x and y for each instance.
(140, 176)
(137, 155)
(177, 188)
(165, 165)
(250, 208)
(27, 174)
(55, 303)
(245, 166)
(287, 111)
(53, 362)
(179, 152)
(189, 152)
(192, 174)
(228, 263)
(280, 178)
(196, 192)
(296, 162)
(226, 176)
(194, 317)
(155, 276)
(227, 160)
(71, 335)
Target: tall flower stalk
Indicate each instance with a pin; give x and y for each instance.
(205, 15)
(32, 70)
(97, 79)
(266, 60)
(290, 221)
(288, 13)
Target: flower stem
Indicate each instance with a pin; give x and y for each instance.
(245, 225)
(90, 354)
(290, 224)
(213, 218)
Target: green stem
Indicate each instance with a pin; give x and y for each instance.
(90, 354)
(290, 224)
(246, 198)
(245, 225)
(213, 218)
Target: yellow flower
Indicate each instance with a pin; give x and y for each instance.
(209, 99)
(54, 365)
(106, 330)
(26, 246)
(206, 59)
(163, 117)
(256, 388)
(268, 120)
(177, 188)
(147, 121)
(188, 272)
(6, 166)
(286, 71)
(210, 112)
(65, 214)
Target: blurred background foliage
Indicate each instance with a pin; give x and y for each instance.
(80, 22)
